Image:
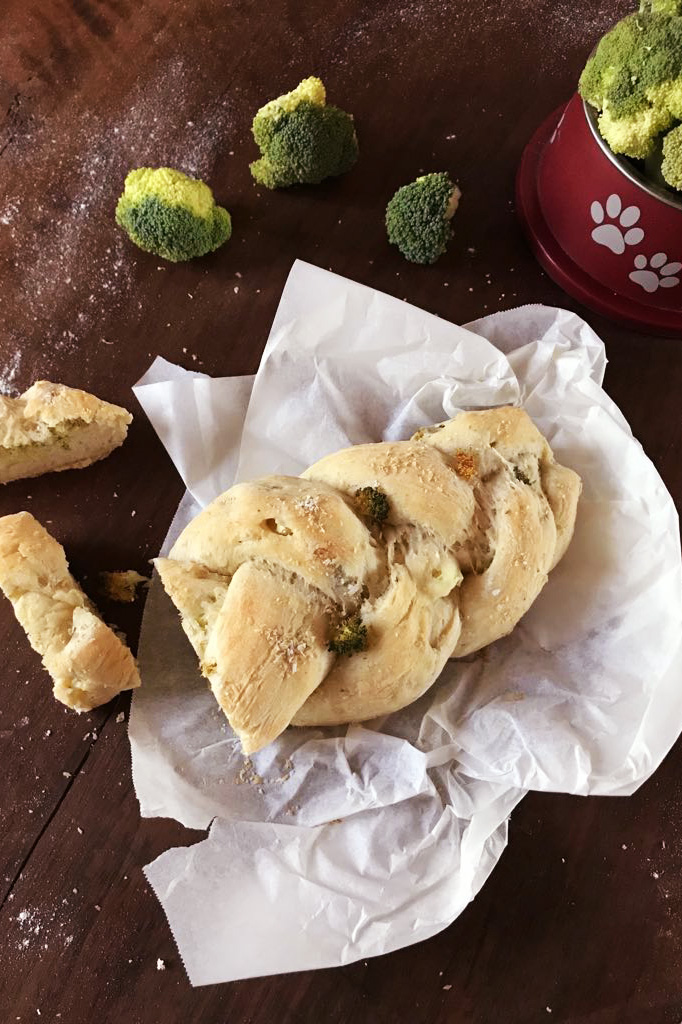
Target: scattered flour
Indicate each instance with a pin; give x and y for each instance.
(8, 214)
(68, 263)
(9, 374)
(40, 929)
(392, 25)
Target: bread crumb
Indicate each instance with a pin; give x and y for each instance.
(160, 965)
(122, 585)
(120, 717)
(446, 988)
(248, 774)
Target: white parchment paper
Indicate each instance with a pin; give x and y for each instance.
(332, 845)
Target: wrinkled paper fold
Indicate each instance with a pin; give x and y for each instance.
(336, 844)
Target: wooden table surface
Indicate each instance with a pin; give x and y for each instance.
(581, 921)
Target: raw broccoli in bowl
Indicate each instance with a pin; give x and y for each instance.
(634, 80)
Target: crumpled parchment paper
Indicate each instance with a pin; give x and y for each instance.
(338, 844)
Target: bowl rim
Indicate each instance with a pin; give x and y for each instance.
(592, 115)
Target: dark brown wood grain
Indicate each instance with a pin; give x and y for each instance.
(581, 922)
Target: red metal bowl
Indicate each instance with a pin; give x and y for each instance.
(602, 231)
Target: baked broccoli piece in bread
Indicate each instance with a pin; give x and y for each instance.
(372, 503)
(349, 636)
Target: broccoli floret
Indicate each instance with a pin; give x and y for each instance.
(302, 140)
(652, 164)
(672, 158)
(170, 214)
(661, 7)
(349, 636)
(373, 503)
(635, 78)
(418, 217)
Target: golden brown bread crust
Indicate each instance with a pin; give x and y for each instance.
(531, 524)
(479, 512)
(87, 661)
(52, 427)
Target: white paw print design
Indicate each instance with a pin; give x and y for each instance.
(655, 273)
(621, 231)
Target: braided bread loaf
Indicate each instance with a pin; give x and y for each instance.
(412, 552)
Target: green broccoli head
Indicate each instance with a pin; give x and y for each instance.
(349, 636)
(660, 7)
(634, 78)
(672, 158)
(372, 503)
(418, 217)
(170, 214)
(302, 140)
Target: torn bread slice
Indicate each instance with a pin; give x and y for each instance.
(88, 663)
(261, 636)
(51, 427)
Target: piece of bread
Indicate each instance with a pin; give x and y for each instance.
(51, 427)
(88, 663)
(478, 513)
